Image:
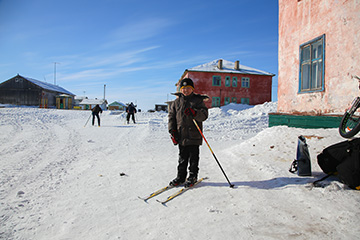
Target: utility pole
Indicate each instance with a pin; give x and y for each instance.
(55, 72)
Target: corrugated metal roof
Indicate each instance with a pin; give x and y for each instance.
(48, 86)
(228, 67)
(117, 104)
(92, 101)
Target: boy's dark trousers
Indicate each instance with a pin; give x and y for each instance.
(132, 117)
(188, 154)
(98, 118)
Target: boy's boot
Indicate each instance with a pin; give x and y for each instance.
(191, 180)
(177, 181)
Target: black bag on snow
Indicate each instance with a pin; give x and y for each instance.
(333, 155)
(342, 159)
(302, 163)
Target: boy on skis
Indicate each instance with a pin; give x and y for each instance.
(95, 112)
(131, 110)
(187, 106)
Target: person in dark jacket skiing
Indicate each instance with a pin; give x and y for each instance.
(131, 110)
(183, 110)
(95, 112)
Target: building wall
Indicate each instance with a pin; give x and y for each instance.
(48, 99)
(19, 91)
(116, 107)
(304, 20)
(64, 102)
(161, 107)
(258, 92)
(89, 106)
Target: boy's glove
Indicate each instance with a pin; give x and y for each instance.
(190, 112)
(174, 136)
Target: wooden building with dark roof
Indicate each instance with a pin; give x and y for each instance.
(21, 90)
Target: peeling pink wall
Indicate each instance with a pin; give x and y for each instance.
(301, 21)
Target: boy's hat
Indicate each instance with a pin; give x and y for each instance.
(186, 82)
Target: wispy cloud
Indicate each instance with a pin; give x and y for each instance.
(104, 64)
(87, 75)
(103, 67)
(119, 59)
(137, 31)
(98, 74)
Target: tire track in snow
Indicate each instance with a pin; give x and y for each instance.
(26, 188)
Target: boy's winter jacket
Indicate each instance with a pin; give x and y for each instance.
(96, 109)
(131, 109)
(187, 132)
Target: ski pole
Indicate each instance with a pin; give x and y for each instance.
(197, 126)
(87, 120)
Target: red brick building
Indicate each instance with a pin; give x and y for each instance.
(229, 82)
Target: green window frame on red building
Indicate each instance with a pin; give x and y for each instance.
(216, 81)
(215, 102)
(245, 101)
(227, 81)
(234, 81)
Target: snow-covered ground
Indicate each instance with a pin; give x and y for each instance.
(61, 180)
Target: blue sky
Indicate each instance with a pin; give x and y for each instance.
(138, 48)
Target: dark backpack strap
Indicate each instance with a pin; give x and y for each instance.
(315, 184)
(294, 166)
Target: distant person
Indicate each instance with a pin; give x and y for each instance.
(131, 110)
(188, 106)
(95, 112)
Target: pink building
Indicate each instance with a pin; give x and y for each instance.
(319, 51)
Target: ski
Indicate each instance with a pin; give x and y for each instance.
(181, 191)
(151, 195)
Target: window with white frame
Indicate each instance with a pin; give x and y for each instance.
(245, 82)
